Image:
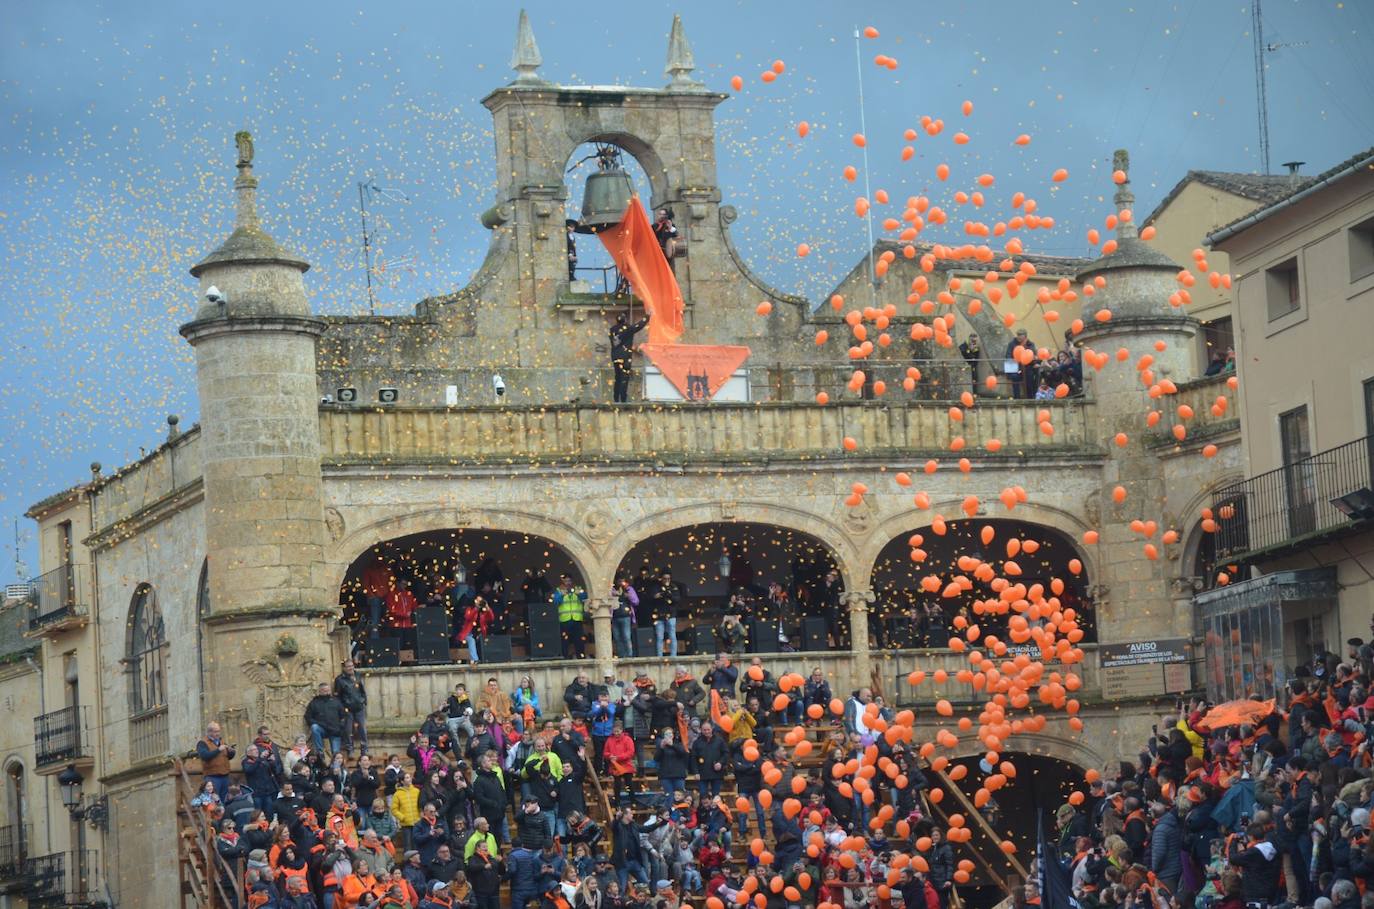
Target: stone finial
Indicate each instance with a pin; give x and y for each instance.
(245, 184)
(172, 431)
(525, 59)
(680, 62)
(1124, 198)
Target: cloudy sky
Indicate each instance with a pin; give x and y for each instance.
(116, 149)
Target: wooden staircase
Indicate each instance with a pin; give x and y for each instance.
(207, 881)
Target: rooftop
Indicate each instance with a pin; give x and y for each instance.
(1263, 189)
(1360, 160)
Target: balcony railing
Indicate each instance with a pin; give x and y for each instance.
(59, 597)
(61, 737)
(1279, 507)
(64, 879)
(148, 736)
(14, 851)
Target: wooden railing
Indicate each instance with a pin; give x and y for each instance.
(671, 433)
(209, 881)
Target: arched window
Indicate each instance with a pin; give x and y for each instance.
(147, 653)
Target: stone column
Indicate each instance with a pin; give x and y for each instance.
(601, 635)
(858, 602)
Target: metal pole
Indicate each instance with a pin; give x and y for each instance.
(863, 128)
(367, 251)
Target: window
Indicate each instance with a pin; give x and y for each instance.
(1299, 478)
(147, 653)
(1369, 407)
(1217, 339)
(1283, 289)
(1361, 241)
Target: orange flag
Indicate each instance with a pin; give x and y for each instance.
(635, 249)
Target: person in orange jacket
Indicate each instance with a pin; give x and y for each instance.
(356, 884)
(619, 754)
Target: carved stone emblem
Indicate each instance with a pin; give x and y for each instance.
(598, 525)
(335, 523)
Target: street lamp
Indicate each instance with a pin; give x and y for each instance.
(96, 812)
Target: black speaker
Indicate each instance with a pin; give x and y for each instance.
(542, 612)
(645, 645)
(546, 639)
(384, 650)
(496, 649)
(703, 640)
(431, 635)
(763, 636)
(814, 629)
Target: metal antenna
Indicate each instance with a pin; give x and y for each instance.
(1257, 33)
(863, 128)
(366, 187)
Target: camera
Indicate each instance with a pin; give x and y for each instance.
(498, 385)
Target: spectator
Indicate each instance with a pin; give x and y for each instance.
(428, 833)
(478, 617)
(571, 603)
(603, 717)
(1018, 375)
(627, 855)
(972, 352)
(709, 757)
(484, 873)
(215, 756)
(579, 696)
(325, 718)
(686, 690)
(525, 704)
(619, 753)
(624, 616)
(348, 687)
(495, 700)
(664, 603)
(405, 806)
(722, 676)
(673, 763)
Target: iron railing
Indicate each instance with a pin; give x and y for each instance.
(610, 277)
(14, 851)
(58, 595)
(148, 737)
(64, 879)
(61, 736)
(1293, 501)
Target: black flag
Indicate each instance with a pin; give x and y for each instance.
(1056, 887)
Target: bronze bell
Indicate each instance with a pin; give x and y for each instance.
(606, 197)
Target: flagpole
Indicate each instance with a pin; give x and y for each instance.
(868, 193)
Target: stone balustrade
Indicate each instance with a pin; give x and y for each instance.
(400, 698)
(1200, 395)
(677, 433)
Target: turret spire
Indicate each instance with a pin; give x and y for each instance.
(245, 184)
(680, 62)
(525, 59)
(1124, 198)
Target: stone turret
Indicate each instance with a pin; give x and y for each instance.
(264, 520)
(1138, 603)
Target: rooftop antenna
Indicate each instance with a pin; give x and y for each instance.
(1257, 35)
(868, 194)
(367, 188)
(21, 570)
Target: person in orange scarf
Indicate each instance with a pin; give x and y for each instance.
(356, 884)
(340, 821)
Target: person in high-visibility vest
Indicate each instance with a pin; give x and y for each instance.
(572, 613)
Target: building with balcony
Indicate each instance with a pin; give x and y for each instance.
(1296, 536)
(228, 572)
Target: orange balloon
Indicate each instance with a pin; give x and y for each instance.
(766, 798)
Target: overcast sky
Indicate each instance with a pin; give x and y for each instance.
(116, 149)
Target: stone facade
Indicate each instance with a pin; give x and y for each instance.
(246, 527)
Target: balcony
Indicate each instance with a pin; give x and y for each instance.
(670, 434)
(59, 600)
(62, 737)
(64, 879)
(148, 736)
(14, 854)
(1273, 512)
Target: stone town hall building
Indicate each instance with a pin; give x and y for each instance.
(205, 581)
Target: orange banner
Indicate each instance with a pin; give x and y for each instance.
(636, 252)
(696, 370)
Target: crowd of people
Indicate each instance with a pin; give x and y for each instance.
(492, 792)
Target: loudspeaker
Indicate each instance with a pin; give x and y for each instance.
(546, 637)
(384, 650)
(387, 395)
(346, 395)
(763, 636)
(496, 649)
(431, 635)
(703, 640)
(645, 645)
(813, 630)
(542, 612)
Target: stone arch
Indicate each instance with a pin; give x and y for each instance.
(581, 550)
(795, 519)
(1191, 514)
(1052, 743)
(636, 147)
(1069, 525)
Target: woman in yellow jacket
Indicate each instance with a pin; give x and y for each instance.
(743, 722)
(405, 807)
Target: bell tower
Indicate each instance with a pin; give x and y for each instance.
(254, 338)
(670, 132)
